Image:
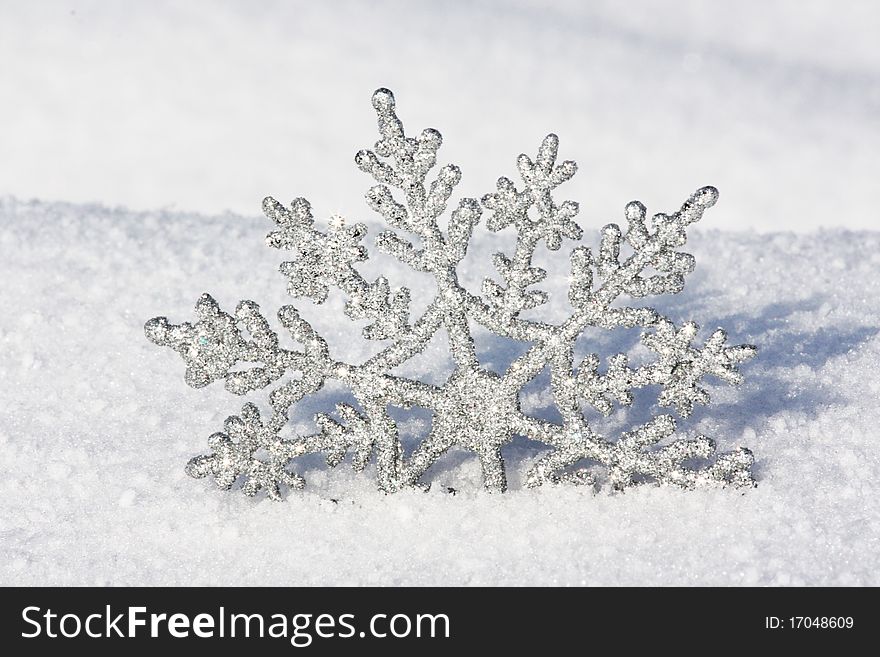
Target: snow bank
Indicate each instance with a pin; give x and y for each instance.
(209, 107)
(97, 425)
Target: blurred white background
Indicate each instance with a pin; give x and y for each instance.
(210, 106)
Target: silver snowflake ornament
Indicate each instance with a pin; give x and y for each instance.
(475, 409)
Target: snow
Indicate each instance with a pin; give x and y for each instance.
(128, 121)
(98, 425)
(209, 107)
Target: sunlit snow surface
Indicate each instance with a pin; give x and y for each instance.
(198, 107)
(98, 424)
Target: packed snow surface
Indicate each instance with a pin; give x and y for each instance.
(126, 119)
(98, 424)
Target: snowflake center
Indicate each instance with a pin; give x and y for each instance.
(477, 402)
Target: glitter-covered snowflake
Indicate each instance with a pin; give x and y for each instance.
(475, 409)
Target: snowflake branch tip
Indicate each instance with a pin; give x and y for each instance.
(681, 367)
(235, 455)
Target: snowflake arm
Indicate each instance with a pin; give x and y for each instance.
(411, 160)
(681, 367)
(536, 216)
(234, 456)
(403, 163)
(631, 460)
(321, 260)
(215, 343)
